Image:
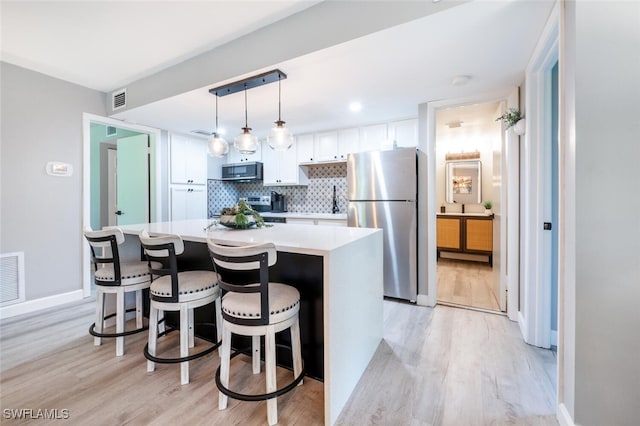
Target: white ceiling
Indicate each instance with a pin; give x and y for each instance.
(389, 72)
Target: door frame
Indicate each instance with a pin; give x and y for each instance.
(155, 193)
(510, 239)
(534, 315)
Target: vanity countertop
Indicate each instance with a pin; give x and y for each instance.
(466, 214)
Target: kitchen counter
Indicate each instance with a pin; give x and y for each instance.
(338, 271)
(319, 216)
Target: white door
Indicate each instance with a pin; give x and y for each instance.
(133, 180)
(112, 186)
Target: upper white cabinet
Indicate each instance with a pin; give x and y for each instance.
(326, 146)
(188, 160)
(281, 167)
(404, 132)
(373, 137)
(304, 148)
(234, 156)
(348, 142)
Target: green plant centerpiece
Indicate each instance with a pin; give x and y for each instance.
(487, 205)
(511, 117)
(241, 216)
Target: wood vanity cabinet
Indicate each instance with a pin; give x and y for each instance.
(465, 234)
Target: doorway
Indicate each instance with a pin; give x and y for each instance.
(140, 144)
(468, 144)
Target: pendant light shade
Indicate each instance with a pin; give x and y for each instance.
(246, 142)
(218, 146)
(280, 137)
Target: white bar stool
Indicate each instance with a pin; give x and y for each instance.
(114, 277)
(256, 309)
(181, 292)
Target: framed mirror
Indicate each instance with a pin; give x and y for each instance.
(463, 182)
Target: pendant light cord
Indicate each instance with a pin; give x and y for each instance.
(245, 107)
(216, 130)
(279, 99)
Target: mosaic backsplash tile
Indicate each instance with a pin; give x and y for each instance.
(317, 197)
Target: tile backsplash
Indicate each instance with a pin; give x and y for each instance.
(317, 197)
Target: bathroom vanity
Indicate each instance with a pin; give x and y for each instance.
(470, 233)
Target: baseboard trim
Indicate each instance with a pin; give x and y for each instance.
(423, 300)
(563, 416)
(39, 304)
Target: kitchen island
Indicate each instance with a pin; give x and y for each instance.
(338, 271)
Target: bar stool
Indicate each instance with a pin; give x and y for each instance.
(177, 291)
(114, 277)
(256, 309)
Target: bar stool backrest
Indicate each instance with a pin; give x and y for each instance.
(104, 251)
(163, 249)
(245, 258)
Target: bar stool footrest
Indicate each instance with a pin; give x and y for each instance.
(257, 397)
(93, 332)
(168, 330)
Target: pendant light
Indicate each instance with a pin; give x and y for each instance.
(280, 137)
(246, 142)
(218, 146)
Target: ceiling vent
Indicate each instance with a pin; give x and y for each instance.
(111, 131)
(119, 99)
(202, 132)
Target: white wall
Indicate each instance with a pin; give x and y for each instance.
(274, 44)
(41, 215)
(600, 372)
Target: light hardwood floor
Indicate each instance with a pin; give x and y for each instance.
(466, 283)
(442, 366)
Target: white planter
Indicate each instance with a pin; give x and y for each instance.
(519, 127)
(487, 211)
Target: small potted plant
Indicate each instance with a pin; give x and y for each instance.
(513, 118)
(241, 216)
(487, 207)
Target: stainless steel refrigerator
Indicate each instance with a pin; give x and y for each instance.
(383, 193)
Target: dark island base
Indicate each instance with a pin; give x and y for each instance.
(303, 272)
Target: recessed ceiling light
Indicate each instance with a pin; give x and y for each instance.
(460, 80)
(355, 106)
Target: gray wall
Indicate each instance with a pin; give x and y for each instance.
(41, 215)
(604, 69)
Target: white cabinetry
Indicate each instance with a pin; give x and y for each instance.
(281, 167)
(326, 146)
(234, 156)
(304, 148)
(348, 142)
(188, 160)
(373, 137)
(188, 202)
(188, 171)
(404, 132)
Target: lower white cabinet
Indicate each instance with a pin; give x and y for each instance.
(188, 202)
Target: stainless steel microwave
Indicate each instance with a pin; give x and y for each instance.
(243, 172)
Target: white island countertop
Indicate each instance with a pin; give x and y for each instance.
(292, 238)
